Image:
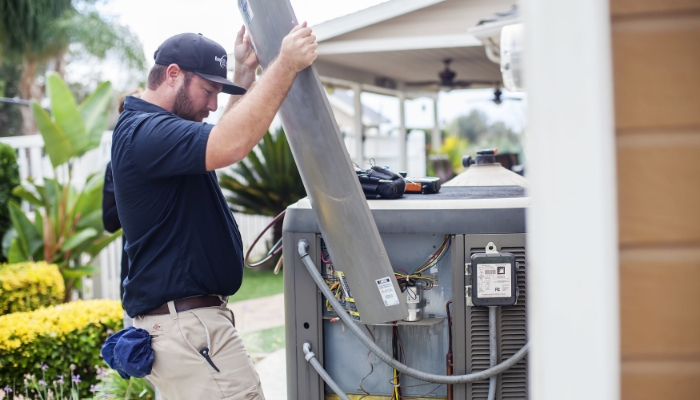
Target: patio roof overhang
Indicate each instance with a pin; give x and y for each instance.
(390, 45)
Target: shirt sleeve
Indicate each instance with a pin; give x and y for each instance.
(165, 146)
(110, 216)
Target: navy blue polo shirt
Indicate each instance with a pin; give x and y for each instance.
(181, 237)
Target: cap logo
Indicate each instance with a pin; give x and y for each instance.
(221, 60)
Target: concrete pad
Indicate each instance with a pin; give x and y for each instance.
(273, 375)
(258, 314)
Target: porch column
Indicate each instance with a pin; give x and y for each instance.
(402, 131)
(573, 299)
(358, 127)
(436, 136)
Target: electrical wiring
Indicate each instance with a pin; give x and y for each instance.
(303, 245)
(416, 278)
(323, 258)
(276, 249)
(396, 394)
(371, 366)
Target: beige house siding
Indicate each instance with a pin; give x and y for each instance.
(656, 58)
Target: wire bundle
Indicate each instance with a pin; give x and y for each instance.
(416, 277)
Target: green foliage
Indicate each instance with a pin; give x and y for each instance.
(258, 284)
(265, 341)
(267, 181)
(72, 130)
(35, 34)
(26, 26)
(29, 286)
(112, 386)
(67, 221)
(66, 339)
(44, 29)
(9, 178)
(477, 130)
(10, 117)
(454, 148)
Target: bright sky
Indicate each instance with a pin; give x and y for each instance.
(156, 20)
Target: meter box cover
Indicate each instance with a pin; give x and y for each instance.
(494, 279)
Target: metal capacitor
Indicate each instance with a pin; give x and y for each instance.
(414, 303)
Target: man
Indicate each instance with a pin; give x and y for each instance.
(184, 247)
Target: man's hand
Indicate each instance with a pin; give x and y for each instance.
(243, 52)
(298, 48)
(244, 124)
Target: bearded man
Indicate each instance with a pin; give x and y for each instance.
(184, 247)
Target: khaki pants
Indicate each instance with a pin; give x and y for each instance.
(181, 372)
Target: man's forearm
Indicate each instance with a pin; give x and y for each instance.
(242, 126)
(243, 77)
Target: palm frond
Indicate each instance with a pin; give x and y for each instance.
(266, 181)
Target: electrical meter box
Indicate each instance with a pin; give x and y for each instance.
(429, 239)
(494, 279)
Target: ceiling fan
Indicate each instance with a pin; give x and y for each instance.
(447, 80)
(497, 98)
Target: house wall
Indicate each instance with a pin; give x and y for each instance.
(656, 66)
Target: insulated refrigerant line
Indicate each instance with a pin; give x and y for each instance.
(311, 358)
(303, 245)
(493, 347)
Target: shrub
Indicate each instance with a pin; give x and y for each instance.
(9, 178)
(28, 286)
(58, 337)
(67, 221)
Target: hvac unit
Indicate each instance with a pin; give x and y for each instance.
(441, 233)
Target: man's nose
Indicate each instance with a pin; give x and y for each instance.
(213, 104)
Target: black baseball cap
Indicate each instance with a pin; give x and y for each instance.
(196, 53)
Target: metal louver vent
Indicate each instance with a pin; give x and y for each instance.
(512, 384)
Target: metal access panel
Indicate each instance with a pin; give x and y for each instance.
(325, 167)
(410, 228)
(471, 337)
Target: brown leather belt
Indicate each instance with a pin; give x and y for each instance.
(188, 304)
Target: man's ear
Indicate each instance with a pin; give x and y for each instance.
(171, 74)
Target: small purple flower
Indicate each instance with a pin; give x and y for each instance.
(76, 379)
(109, 331)
(7, 389)
(60, 379)
(42, 383)
(44, 367)
(92, 388)
(26, 383)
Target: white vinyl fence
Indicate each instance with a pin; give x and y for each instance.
(34, 163)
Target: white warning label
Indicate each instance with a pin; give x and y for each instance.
(494, 280)
(386, 290)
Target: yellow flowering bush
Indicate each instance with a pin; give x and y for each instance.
(57, 337)
(29, 285)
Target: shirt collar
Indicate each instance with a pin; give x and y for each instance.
(135, 104)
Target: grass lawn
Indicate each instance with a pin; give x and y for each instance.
(265, 341)
(258, 284)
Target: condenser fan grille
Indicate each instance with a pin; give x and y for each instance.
(512, 337)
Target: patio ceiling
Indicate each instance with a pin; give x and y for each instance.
(403, 41)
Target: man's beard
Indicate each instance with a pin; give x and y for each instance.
(182, 107)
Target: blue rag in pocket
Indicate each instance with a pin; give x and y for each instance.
(129, 352)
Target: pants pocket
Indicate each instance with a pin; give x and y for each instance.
(251, 393)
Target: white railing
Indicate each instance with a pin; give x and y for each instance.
(35, 164)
